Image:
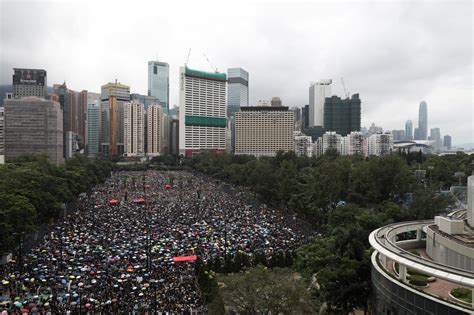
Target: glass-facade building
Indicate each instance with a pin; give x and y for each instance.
(237, 90)
(159, 82)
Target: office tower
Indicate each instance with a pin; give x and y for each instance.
(329, 140)
(2, 135)
(29, 82)
(416, 134)
(237, 90)
(113, 99)
(380, 144)
(297, 114)
(398, 135)
(134, 129)
(408, 130)
(93, 128)
(305, 117)
(174, 136)
(276, 101)
(33, 125)
(447, 142)
(74, 106)
(423, 121)
(342, 115)
(435, 136)
(354, 143)
(155, 130)
(317, 95)
(263, 130)
(303, 144)
(443, 256)
(159, 82)
(202, 111)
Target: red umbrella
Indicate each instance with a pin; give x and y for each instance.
(168, 186)
(113, 201)
(147, 186)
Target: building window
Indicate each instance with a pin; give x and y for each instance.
(155, 69)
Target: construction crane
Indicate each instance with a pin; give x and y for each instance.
(187, 59)
(210, 65)
(344, 86)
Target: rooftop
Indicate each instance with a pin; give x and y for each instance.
(205, 75)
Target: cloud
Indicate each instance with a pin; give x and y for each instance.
(394, 54)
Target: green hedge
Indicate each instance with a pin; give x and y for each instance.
(463, 294)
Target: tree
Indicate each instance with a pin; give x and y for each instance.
(263, 290)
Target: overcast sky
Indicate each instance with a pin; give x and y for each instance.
(394, 54)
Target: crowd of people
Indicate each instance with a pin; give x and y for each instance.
(116, 253)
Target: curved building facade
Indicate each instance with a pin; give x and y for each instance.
(425, 267)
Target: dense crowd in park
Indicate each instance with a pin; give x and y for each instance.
(120, 251)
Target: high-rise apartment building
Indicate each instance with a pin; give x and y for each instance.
(342, 115)
(29, 82)
(303, 144)
(263, 130)
(447, 142)
(276, 101)
(380, 144)
(33, 125)
(113, 99)
(202, 111)
(408, 130)
(155, 130)
(159, 82)
(423, 121)
(237, 90)
(134, 129)
(329, 140)
(318, 92)
(354, 143)
(93, 128)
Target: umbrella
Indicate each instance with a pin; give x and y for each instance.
(18, 304)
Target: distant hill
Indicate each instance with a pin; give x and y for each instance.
(7, 88)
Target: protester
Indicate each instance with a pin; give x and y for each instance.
(115, 253)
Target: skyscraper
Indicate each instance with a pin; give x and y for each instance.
(159, 82)
(342, 115)
(305, 117)
(155, 130)
(33, 125)
(237, 89)
(93, 128)
(317, 95)
(423, 121)
(447, 142)
(29, 82)
(134, 129)
(202, 111)
(113, 99)
(435, 135)
(408, 130)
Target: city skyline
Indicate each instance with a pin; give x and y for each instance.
(407, 58)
